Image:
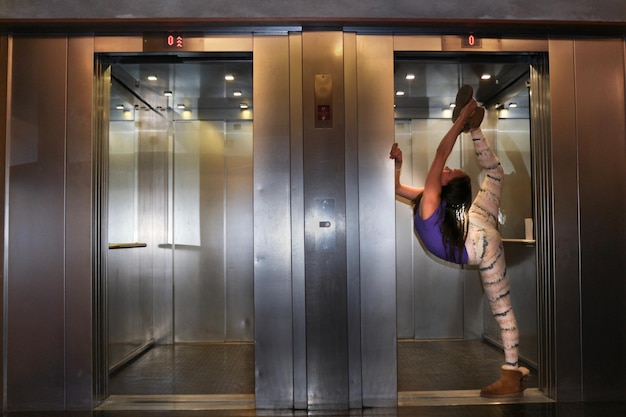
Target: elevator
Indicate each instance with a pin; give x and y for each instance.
(181, 160)
(179, 212)
(267, 221)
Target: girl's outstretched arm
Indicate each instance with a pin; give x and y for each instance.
(402, 190)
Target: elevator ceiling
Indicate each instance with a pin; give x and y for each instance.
(198, 84)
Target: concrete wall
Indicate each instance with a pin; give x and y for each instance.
(554, 10)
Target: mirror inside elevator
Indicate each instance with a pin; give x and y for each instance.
(178, 202)
(447, 339)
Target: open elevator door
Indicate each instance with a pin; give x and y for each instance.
(442, 320)
(177, 221)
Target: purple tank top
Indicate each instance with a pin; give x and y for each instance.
(429, 231)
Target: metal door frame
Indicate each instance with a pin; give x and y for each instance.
(541, 170)
(111, 45)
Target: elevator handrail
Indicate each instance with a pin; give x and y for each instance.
(127, 245)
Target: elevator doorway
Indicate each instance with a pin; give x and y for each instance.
(179, 220)
(447, 339)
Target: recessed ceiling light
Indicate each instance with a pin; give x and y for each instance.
(152, 78)
(399, 93)
(237, 93)
(229, 77)
(181, 106)
(410, 76)
(512, 105)
(485, 76)
(119, 107)
(167, 93)
(243, 106)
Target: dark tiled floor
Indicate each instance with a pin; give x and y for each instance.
(215, 368)
(449, 365)
(229, 368)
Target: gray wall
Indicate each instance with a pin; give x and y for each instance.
(557, 10)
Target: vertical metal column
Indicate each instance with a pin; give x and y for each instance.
(78, 202)
(36, 201)
(272, 233)
(325, 211)
(4, 64)
(375, 98)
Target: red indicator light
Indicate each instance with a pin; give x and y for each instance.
(471, 41)
(174, 41)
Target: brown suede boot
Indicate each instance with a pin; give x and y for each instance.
(510, 384)
(476, 118)
(463, 96)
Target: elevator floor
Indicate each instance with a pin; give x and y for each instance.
(188, 369)
(228, 368)
(445, 365)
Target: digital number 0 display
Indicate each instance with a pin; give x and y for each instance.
(175, 41)
(471, 41)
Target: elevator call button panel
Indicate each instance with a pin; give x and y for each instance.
(323, 101)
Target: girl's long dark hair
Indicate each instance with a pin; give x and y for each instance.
(457, 195)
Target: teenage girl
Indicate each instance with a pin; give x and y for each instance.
(458, 230)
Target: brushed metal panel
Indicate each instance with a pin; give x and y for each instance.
(524, 45)
(352, 221)
(376, 219)
(199, 268)
(438, 297)
(565, 226)
(4, 92)
(416, 43)
(241, 43)
(543, 214)
(324, 186)
(601, 129)
(239, 283)
(272, 235)
(118, 44)
(78, 260)
(35, 377)
(297, 223)
(125, 319)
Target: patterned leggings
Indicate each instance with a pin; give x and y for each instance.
(485, 249)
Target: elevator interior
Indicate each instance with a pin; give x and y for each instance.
(439, 301)
(179, 209)
(179, 212)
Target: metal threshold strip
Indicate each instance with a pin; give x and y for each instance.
(465, 397)
(247, 401)
(178, 402)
